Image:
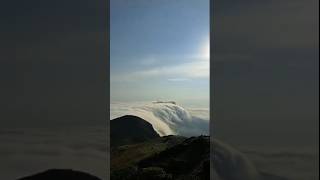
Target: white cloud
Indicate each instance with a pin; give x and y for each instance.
(195, 69)
(166, 118)
(178, 79)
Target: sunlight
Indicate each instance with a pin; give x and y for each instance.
(205, 51)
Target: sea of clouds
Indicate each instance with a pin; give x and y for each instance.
(31, 150)
(166, 118)
(264, 163)
(27, 151)
(234, 163)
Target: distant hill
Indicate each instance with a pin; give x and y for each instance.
(130, 129)
(60, 174)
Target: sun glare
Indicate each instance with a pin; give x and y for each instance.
(206, 50)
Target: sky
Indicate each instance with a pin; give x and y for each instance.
(159, 50)
(53, 66)
(266, 72)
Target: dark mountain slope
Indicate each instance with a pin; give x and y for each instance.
(138, 152)
(59, 174)
(189, 159)
(171, 157)
(128, 155)
(130, 129)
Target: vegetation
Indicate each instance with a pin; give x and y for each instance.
(139, 153)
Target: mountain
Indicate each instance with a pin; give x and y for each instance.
(189, 159)
(61, 174)
(165, 158)
(138, 152)
(130, 129)
(128, 155)
(175, 157)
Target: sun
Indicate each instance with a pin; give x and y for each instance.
(205, 51)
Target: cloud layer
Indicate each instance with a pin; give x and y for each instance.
(28, 151)
(262, 163)
(167, 118)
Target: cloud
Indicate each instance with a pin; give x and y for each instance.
(28, 151)
(178, 79)
(231, 164)
(293, 163)
(167, 118)
(196, 69)
(257, 163)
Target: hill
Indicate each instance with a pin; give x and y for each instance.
(130, 129)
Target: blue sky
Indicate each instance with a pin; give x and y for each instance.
(160, 51)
